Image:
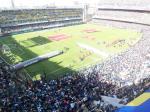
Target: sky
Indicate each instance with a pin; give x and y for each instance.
(40, 3)
(36, 3)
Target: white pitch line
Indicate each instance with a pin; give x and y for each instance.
(56, 70)
(95, 50)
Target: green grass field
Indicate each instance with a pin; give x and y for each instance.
(106, 40)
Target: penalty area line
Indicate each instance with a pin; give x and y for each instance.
(56, 70)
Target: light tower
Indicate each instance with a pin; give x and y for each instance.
(85, 9)
(12, 4)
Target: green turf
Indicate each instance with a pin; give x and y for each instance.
(29, 45)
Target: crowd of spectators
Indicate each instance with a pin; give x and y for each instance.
(12, 21)
(39, 26)
(34, 15)
(72, 93)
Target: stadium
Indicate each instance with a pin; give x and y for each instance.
(75, 56)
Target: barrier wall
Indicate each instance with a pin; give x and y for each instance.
(137, 11)
(130, 16)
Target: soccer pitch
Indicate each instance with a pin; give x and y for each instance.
(83, 45)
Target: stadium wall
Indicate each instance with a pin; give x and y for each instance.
(122, 3)
(124, 16)
(135, 11)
